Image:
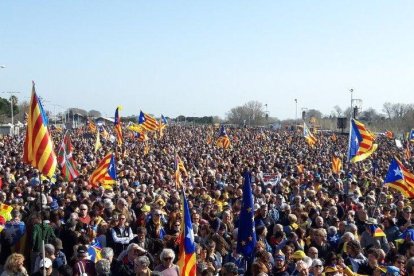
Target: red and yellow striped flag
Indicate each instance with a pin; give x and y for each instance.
(38, 145)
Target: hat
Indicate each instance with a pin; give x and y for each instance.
(331, 269)
(371, 221)
(299, 255)
(58, 244)
(46, 262)
(393, 270)
(279, 257)
(146, 208)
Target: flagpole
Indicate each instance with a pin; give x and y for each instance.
(42, 228)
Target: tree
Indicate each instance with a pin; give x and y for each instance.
(94, 113)
(251, 113)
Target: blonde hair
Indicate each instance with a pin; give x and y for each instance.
(14, 262)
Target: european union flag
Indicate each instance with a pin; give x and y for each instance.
(246, 238)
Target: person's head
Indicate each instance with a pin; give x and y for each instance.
(121, 220)
(46, 264)
(133, 251)
(141, 264)
(373, 256)
(313, 252)
(167, 257)
(211, 246)
(103, 267)
(409, 268)
(83, 210)
(65, 270)
(14, 263)
(50, 251)
(107, 253)
(279, 260)
(317, 267)
(141, 233)
(82, 252)
(229, 269)
(302, 268)
(353, 248)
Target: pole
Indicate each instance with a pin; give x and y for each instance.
(42, 224)
(352, 112)
(296, 110)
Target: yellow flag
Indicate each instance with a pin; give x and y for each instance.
(98, 144)
(5, 211)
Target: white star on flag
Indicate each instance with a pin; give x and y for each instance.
(397, 171)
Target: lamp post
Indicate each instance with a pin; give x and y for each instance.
(296, 110)
(352, 99)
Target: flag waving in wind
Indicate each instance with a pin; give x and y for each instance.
(38, 145)
(118, 127)
(179, 170)
(411, 136)
(399, 178)
(187, 256)
(148, 122)
(336, 164)
(361, 142)
(105, 173)
(162, 125)
(310, 138)
(65, 159)
(246, 239)
(223, 141)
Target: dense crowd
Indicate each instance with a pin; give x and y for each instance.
(308, 220)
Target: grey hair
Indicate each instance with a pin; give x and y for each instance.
(167, 251)
(143, 259)
(103, 267)
(348, 235)
(107, 253)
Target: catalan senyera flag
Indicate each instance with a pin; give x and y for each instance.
(92, 127)
(407, 150)
(65, 159)
(105, 133)
(336, 164)
(148, 122)
(187, 256)
(38, 144)
(141, 136)
(361, 142)
(223, 141)
(105, 173)
(179, 169)
(400, 179)
(310, 138)
(162, 125)
(118, 126)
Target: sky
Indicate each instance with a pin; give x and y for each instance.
(201, 58)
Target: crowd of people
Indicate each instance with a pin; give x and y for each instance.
(308, 219)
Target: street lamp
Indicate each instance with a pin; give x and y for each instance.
(296, 109)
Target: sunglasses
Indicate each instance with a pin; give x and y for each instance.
(167, 258)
